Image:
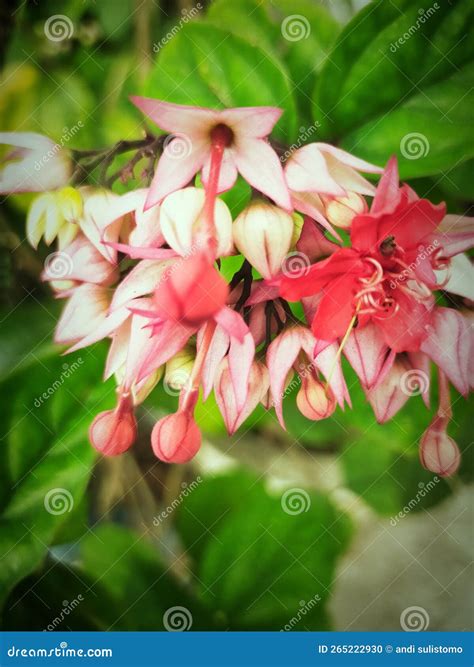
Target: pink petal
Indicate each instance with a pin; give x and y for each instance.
(254, 122)
(117, 354)
(83, 313)
(174, 172)
(448, 344)
(330, 366)
(310, 204)
(461, 277)
(313, 243)
(387, 398)
(170, 339)
(261, 291)
(227, 174)
(306, 171)
(281, 355)
(366, 352)
(140, 345)
(217, 349)
(232, 323)
(455, 234)
(260, 166)
(241, 354)
(348, 159)
(104, 329)
(142, 280)
(143, 253)
(387, 195)
(175, 118)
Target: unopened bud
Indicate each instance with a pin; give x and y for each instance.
(176, 438)
(314, 400)
(112, 432)
(178, 368)
(263, 234)
(340, 211)
(181, 222)
(438, 451)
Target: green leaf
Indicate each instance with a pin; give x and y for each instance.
(205, 66)
(259, 564)
(298, 31)
(396, 70)
(47, 404)
(119, 580)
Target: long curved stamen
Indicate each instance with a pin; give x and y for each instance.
(376, 277)
(221, 138)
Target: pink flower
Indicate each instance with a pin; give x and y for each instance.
(237, 135)
(35, 165)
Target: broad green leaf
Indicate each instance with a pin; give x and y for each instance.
(203, 65)
(118, 579)
(299, 31)
(260, 564)
(47, 404)
(398, 70)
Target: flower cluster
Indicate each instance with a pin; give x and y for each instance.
(369, 268)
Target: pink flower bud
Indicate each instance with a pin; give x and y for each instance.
(314, 400)
(263, 234)
(438, 451)
(225, 394)
(340, 211)
(176, 438)
(112, 432)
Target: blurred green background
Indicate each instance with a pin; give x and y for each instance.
(134, 538)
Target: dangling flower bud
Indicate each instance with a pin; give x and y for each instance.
(340, 211)
(263, 234)
(112, 432)
(438, 451)
(314, 400)
(176, 438)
